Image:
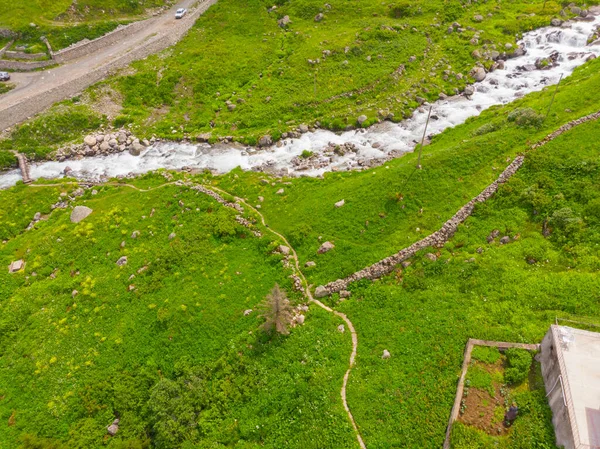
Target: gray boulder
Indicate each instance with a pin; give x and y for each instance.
(80, 213)
(327, 246)
(478, 74)
(265, 141)
(15, 266)
(361, 119)
(136, 148)
(556, 22)
(90, 141)
(321, 292)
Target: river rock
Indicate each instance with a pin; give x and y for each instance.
(15, 266)
(104, 146)
(478, 74)
(303, 128)
(361, 119)
(136, 148)
(556, 22)
(327, 246)
(265, 141)
(469, 90)
(80, 213)
(90, 141)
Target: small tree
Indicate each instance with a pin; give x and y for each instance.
(277, 311)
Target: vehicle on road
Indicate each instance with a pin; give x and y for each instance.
(4, 76)
(180, 13)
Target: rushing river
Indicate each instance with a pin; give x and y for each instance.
(376, 142)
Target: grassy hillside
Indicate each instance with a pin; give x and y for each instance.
(174, 357)
(238, 53)
(388, 209)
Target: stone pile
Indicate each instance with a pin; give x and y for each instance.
(102, 144)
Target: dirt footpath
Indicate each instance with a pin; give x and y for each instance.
(37, 91)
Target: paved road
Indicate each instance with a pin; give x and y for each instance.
(32, 85)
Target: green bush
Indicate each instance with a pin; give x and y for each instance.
(519, 363)
(526, 118)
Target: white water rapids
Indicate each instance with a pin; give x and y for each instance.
(376, 142)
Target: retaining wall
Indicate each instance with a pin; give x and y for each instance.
(86, 47)
(22, 55)
(33, 105)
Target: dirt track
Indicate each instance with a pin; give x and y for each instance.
(37, 91)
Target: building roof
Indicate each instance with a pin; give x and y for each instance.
(579, 357)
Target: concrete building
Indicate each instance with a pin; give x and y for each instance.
(571, 369)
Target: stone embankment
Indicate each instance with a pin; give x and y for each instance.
(101, 144)
(440, 237)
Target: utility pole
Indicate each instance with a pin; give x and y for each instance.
(423, 139)
(553, 95)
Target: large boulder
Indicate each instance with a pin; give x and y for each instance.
(327, 246)
(90, 141)
(136, 148)
(15, 266)
(265, 141)
(478, 74)
(80, 213)
(283, 22)
(556, 22)
(321, 292)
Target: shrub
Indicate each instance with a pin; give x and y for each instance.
(519, 362)
(487, 128)
(526, 118)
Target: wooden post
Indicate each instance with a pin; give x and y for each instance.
(423, 139)
(553, 95)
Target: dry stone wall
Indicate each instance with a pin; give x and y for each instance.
(38, 103)
(440, 237)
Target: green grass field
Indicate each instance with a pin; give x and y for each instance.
(176, 359)
(184, 319)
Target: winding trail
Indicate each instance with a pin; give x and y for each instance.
(203, 188)
(308, 294)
